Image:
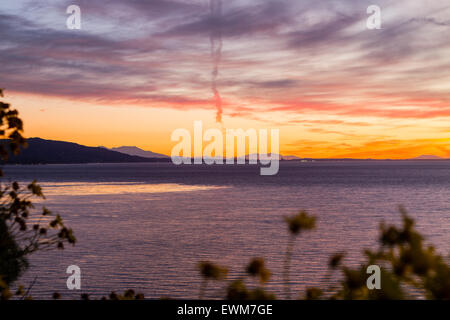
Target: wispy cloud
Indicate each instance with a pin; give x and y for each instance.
(279, 56)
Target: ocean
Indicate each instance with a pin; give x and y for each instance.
(146, 226)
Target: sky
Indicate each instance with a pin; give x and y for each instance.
(137, 70)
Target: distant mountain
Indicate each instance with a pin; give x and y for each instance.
(247, 158)
(50, 151)
(427, 157)
(269, 156)
(290, 157)
(135, 151)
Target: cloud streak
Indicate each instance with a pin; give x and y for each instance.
(215, 38)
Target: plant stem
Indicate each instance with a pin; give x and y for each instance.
(202, 288)
(287, 265)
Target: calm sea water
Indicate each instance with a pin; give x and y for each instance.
(145, 226)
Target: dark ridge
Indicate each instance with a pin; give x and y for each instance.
(40, 151)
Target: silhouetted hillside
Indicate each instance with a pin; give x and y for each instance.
(49, 151)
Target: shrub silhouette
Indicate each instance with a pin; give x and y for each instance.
(296, 224)
(19, 238)
(210, 271)
(408, 268)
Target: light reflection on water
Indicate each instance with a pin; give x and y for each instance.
(103, 188)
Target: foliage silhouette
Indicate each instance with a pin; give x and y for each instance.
(296, 224)
(409, 269)
(23, 231)
(210, 271)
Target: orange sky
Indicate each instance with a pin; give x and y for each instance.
(95, 124)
